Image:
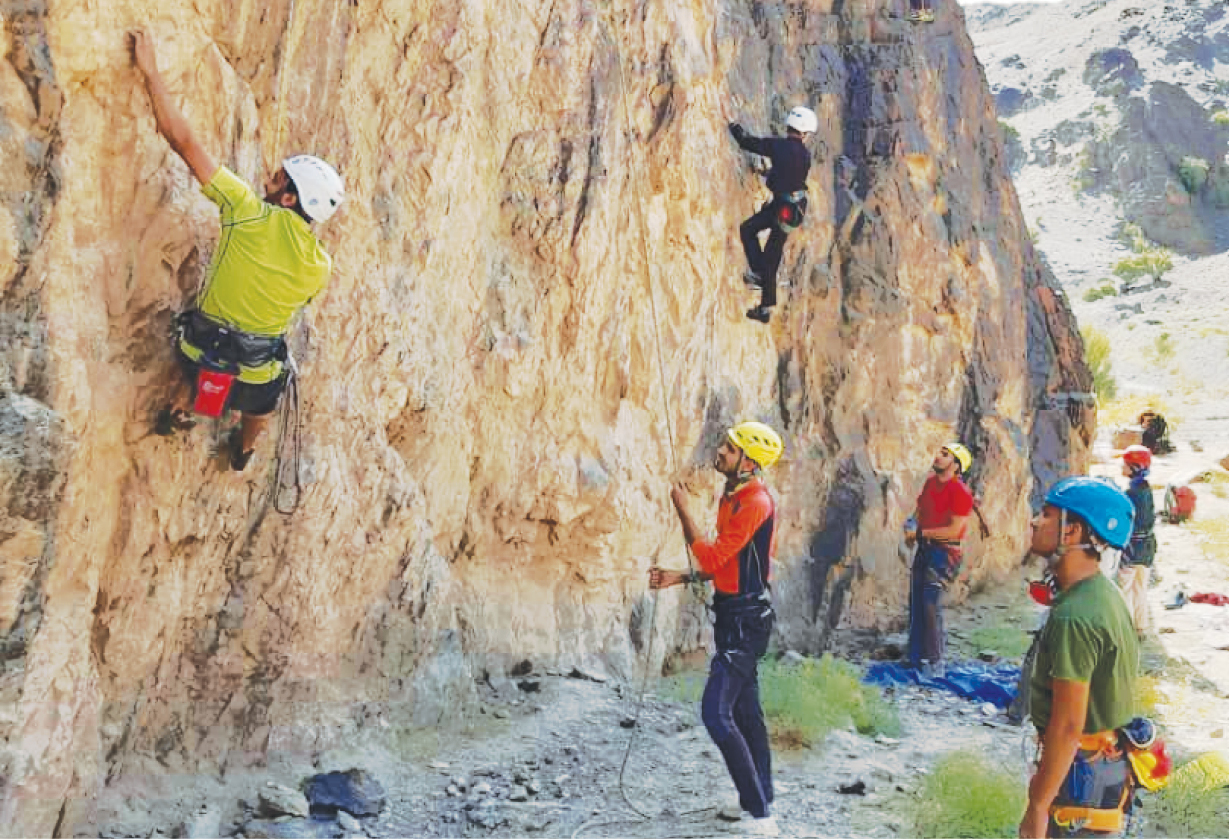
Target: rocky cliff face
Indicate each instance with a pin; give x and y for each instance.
(535, 321)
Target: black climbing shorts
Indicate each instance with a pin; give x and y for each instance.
(254, 400)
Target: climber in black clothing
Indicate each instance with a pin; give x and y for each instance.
(788, 182)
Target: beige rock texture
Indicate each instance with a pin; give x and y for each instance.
(535, 322)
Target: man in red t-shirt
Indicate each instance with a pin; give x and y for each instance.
(943, 509)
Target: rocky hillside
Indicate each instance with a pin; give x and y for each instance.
(1116, 114)
(535, 321)
(1133, 97)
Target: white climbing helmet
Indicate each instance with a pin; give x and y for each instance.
(320, 188)
(802, 119)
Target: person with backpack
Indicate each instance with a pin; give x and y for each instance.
(267, 266)
(787, 180)
(738, 562)
(938, 527)
(1155, 432)
(1083, 680)
(1135, 566)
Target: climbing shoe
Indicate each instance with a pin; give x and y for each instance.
(753, 279)
(170, 420)
(730, 811)
(766, 826)
(238, 457)
(915, 15)
(761, 313)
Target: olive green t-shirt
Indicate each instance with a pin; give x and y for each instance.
(1088, 637)
(267, 266)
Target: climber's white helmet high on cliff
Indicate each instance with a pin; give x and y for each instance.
(803, 120)
(318, 184)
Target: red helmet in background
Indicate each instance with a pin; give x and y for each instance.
(1138, 456)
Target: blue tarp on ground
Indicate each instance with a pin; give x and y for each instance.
(994, 683)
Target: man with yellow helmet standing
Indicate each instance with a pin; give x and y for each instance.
(737, 562)
(938, 526)
(267, 266)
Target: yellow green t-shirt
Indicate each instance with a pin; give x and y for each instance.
(267, 266)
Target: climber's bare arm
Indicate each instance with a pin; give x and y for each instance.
(170, 120)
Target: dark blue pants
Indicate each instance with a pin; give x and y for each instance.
(764, 261)
(927, 585)
(734, 719)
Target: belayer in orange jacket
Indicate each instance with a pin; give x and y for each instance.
(738, 564)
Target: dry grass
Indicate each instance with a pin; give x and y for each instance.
(1213, 537)
(1125, 410)
(1148, 696)
(1217, 481)
(969, 794)
(803, 702)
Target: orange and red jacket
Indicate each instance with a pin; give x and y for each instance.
(739, 558)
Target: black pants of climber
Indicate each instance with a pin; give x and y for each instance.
(731, 708)
(766, 260)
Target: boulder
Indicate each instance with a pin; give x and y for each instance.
(356, 791)
(277, 800)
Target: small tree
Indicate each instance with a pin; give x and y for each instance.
(1151, 262)
(1097, 357)
(1193, 172)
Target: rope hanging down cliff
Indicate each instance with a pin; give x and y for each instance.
(647, 276)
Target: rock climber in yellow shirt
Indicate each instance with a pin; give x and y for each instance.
(267, 266)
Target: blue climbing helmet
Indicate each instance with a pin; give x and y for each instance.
(1105, 507)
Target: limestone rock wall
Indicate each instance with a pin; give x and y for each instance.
(536, 321)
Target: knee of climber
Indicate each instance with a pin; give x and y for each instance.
(718, 721)
(717, 712)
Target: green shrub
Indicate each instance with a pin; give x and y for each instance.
(1151, 262)
(1184, 810)
(1193, 172)
(1132, 235)
(1097, 357)
(1221, 118)
(1095, 294)
(1007, 641)
(1163, 348)
(1008, 133)
(1218, 187)
(803, 702)
(969, 796)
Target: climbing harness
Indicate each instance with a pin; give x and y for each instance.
(223, 350)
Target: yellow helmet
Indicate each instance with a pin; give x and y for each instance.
(963, 456)
(757, 441)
